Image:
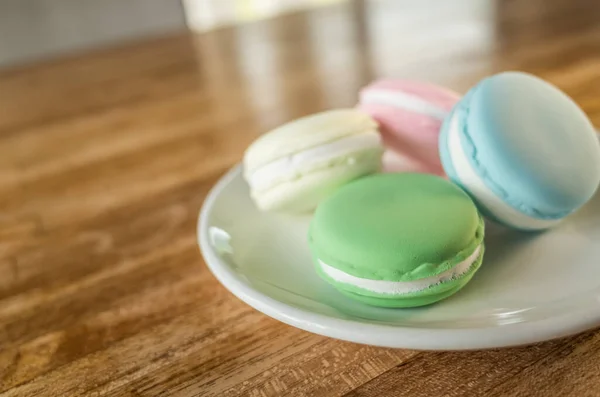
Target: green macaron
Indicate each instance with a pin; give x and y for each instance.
(397, 240)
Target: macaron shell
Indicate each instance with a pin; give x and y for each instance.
(531, 145)
(421, 298)
(450, 170)
(424, 226)
(426, 298)
(437, 95)
(413, 135)
(446, 159)
(444, 152)
(394, 161)
(438, 288)
(303, 194)
(305, 133)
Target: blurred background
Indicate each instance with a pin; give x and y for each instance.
(35, 29)
(282, 58)
(277, 59)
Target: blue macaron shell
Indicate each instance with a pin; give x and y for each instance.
(460, 112)
(530, 144)
(444, 151)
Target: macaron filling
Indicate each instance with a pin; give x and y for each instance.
(402, 287)
(292, 166)
(473, 183)
(404, 101)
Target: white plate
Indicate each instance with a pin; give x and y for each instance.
(530, 288)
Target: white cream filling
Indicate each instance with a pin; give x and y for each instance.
(404, 101)
(474, 184)
(287, 168)
(401, 287)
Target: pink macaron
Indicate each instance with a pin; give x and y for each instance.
(410, 115)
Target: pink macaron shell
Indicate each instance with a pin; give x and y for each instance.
(439, 96)
(395, 162)
(412, 136)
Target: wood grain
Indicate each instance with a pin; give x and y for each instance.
(106, 157)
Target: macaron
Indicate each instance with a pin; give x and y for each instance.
(410, 114)
(397, 239)
(524, 150)
(292, 168)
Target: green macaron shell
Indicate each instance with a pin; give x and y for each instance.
(411, 301)
(419, 298)
(397, 227)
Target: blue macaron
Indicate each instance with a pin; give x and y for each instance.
(523, 149)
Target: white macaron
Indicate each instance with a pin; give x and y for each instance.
(293, 167)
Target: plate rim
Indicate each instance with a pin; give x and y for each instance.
(383, 335)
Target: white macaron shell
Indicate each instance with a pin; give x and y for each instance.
(305, 133)
(295, 165)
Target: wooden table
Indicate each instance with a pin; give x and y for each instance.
(105, 159)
